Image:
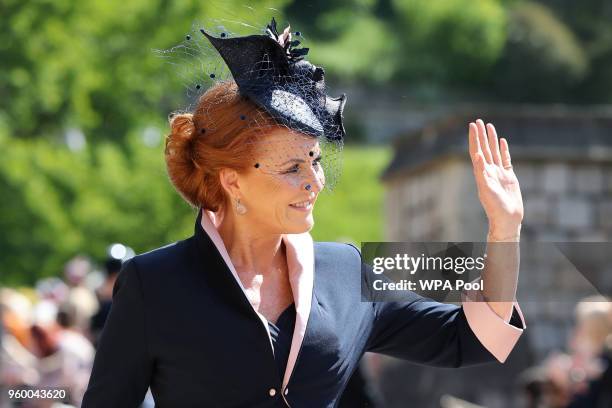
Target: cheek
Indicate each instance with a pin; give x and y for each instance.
(277, 192)
(287, 182)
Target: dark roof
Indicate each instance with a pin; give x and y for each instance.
(533, 132)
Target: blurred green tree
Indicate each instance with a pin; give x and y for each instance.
(449, 42)
(590, 22)
(440, 42)
(542, 60)
(60, 203)
(90, 65)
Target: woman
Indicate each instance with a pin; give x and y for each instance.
(249, 311)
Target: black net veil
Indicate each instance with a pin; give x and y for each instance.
(297, 128)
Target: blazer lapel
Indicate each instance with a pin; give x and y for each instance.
(300, 264)
(210, 222)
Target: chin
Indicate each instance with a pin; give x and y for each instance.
(301, 227)
(302, 230)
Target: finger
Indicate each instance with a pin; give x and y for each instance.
(505, 154)
(482, 139)
(494, 144)
(473, 140)
(475, 152)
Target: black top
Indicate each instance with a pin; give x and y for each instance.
(282, 333)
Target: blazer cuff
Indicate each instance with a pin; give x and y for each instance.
(497, 335)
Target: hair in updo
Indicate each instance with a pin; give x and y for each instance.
(219, 134)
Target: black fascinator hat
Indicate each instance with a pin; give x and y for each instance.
(221, 66)
(272, 72)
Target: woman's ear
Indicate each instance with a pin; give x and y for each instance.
(229, 180)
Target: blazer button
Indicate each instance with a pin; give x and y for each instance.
(272, 392)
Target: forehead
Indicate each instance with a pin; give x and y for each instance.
(283, 144)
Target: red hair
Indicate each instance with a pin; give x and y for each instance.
(219, 134)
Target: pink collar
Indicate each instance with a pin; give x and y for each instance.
(300, 263)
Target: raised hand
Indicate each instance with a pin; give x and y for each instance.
(498, 187)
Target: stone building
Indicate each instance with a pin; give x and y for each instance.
(563, 159)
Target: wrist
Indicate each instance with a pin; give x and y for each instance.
(506, 234)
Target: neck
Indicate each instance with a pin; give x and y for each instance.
(251, 249)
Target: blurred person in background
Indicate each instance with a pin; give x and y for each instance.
(79, 296)
(117, 254)
(582, 377)
(41, 347)
(591, 347)
(74, 343)
(18, 365)
(17, 362)
(64, 356)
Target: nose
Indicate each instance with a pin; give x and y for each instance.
(314, 184)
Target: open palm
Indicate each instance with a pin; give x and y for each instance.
(498, 187)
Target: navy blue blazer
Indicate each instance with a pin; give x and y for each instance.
(181, 325)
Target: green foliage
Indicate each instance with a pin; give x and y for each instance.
(510, 50)
(452, 41)
(542, 60)
(326, 20)
(374, 41)
(90, 65)
(61, 203)
(590, 20)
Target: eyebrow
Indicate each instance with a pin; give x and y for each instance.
(300, 160)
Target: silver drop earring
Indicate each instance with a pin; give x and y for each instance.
(240, 208)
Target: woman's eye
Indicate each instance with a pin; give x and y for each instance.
(293, 169)
(316, 162)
